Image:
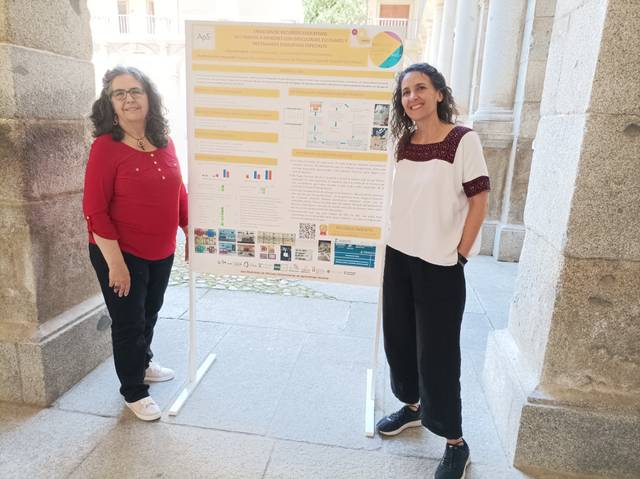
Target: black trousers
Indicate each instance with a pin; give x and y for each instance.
(133, 317)
(422, 313)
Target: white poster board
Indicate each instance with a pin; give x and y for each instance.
(289, 159)
(288, 164)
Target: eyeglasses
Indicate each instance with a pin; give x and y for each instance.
(121, 95)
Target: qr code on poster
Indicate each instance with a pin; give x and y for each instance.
(307, 231)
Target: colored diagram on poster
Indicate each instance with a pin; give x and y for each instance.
(386, 49)
(339, 125)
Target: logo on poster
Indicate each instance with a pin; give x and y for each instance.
(203, 38)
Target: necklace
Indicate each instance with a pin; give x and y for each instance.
(139, 141)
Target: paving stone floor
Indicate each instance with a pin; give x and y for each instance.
(284, 399)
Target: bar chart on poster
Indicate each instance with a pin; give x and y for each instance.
(289, 163)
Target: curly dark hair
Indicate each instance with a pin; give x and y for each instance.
(102, 114)
(402, 127)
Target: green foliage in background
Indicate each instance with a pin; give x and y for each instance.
(335, 11)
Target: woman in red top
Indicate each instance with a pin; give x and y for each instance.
(134, 201)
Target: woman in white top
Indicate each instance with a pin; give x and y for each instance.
(440, 193)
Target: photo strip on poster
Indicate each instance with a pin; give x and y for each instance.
(289, 156)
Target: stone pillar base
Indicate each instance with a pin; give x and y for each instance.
(487, 237)
(543, 435)
(39, 368)
(507, 245)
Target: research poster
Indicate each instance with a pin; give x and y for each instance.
(289, 156)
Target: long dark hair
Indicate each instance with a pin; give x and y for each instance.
(102, 114)
(402, 127)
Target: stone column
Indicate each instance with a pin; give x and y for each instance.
(510, 231)
(445, 46)
(502, 46)
(466, 29)
(434, 42)
(477, 59)
(493, 119)
(53, 327)
(563, 380)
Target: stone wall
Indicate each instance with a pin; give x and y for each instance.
(49, 311)
(564, 378)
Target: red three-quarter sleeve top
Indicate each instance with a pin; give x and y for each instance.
(135, 197)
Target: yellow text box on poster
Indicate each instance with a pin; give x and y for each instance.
(236, 113)
(355, 231)
(233, 91)
(257, 136)
(331, 93)
(247, 160)
(284, 45)
(340, 155)
(314, 72)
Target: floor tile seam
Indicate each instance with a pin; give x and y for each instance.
(274, 439)
(326, 297)
(228, 325)
(86, 413)
(378, 449)
(477, 297)
(170, 317)
(483, 316)
(224, 335)
(294, 364)
(491, 313)
(93, 449)
(488, 309)
(277, 295)
(474, 458)
(411, 456)
(381, 451)
(288, 330)
(493, 326)
(268, 463)
(214, 429)
(356, 301)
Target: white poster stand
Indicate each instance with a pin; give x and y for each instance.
(370, 400)
(265, 105)
(195, 373)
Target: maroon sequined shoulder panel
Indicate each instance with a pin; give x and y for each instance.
(445, 150)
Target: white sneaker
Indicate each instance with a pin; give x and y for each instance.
(145, 408)
(156, 373)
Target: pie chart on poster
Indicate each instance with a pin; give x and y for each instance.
(386, 49)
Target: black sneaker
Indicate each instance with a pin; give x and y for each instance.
(453, 464)
(398, 421)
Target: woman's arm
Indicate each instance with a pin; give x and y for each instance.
(184, 218)
(119, 277)
(185, 230)
(98, 192)
(478, 205)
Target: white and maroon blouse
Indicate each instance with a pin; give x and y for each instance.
(431, 187)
